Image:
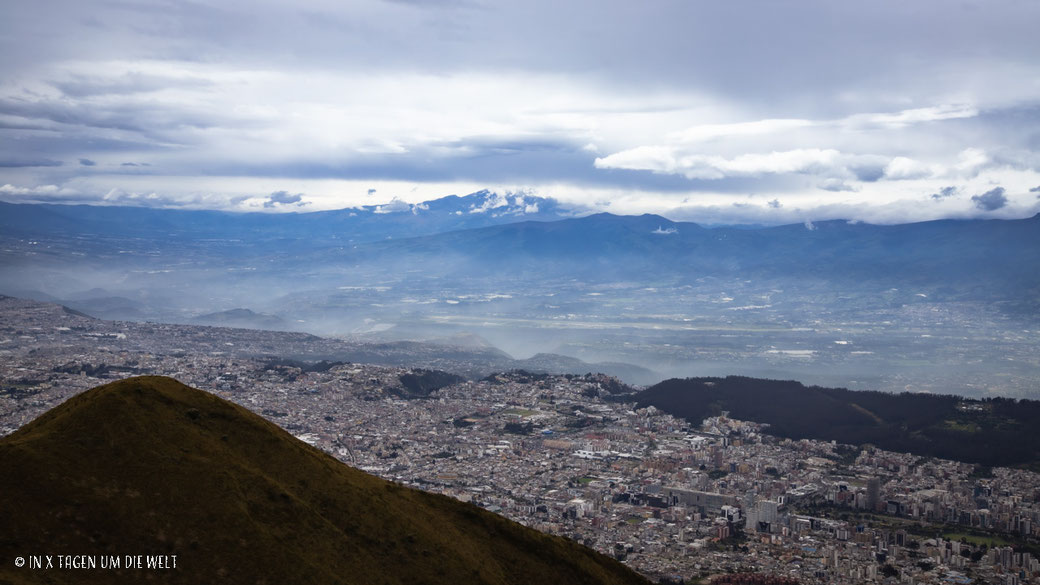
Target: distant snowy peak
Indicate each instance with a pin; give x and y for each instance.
(489, 203)
(508, 204)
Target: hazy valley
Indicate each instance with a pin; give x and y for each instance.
(945, 307)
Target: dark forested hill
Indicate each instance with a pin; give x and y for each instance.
(997, 431)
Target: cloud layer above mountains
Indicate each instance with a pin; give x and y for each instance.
(749, 112)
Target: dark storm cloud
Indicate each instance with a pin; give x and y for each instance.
(8, 125)
(126, 84)
(474, 159)
(991, 200)
(87, 162)
(734, 49)
(76, 143)
(16, 163)
(440, 4)
(836, 186)
(71, 114)
(868, 173)
(482, 145)
(149, 118)
(279, 198)
(944, 193)
(500, 164)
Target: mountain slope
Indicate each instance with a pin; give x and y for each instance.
(603, 247)
(242, 318)
(150, 466)
(990, 432)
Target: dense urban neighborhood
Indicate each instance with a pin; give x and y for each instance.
(568, 454)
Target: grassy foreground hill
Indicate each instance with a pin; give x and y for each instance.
(998, 431)
(149, 466)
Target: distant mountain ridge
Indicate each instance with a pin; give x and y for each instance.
(243, 318)
(991, 254)
(349, 225)
(531, 237)
(149, 466)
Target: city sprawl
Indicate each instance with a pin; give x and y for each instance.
(566, 454)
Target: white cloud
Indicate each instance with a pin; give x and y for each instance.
(905, 118)
(659, 159)
(229, 103)
(758, 127)
(664, 159)
(903, 168)
(688, 152)
(493, 201)
(971, 160)
(394, 206)
(854, 123)
(9, 189)
(820, 161)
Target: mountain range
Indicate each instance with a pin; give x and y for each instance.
(607, 247)
(348, 225)
(520, 235)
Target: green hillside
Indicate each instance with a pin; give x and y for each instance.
(998, 431)
(148, 466)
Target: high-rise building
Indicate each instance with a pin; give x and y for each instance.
(873, 493)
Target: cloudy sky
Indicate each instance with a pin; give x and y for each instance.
(761, 111)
